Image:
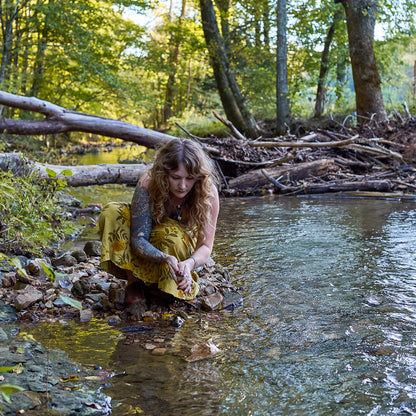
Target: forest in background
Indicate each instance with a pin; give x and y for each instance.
(147, 62)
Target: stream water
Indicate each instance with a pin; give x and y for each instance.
(328, 324)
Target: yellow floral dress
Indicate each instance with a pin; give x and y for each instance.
(169, 237)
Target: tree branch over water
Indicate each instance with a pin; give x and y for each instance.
(60, 120)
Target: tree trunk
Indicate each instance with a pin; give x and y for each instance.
(282, 89)
(321, 90)
(361, 20)
(8, 15)
(224, 7)
(231, 98)
(59, 120)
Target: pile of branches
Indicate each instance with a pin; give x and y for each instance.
(376, 158)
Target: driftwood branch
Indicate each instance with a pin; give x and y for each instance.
(230, 125)
(60, 120)
(354, 143)
(340, 143)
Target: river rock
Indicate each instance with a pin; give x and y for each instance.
(65, 260)
(80, 255)
(7, 313)
(212, 302)
(50, 384)
(159, 351)
(35, 268)
(93, 248)
(117, 296)
(28, 297)
(9, 279)
(81, 287)
(85, 316)
(3, 335)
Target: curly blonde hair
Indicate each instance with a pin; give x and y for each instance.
(196, 209)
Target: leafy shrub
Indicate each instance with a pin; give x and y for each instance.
(30, 216)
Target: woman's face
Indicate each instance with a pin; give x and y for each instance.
(180, 182)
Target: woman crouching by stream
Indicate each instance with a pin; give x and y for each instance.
(168, 229)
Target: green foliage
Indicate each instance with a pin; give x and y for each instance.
(31, 217)
(7, 389)
(88, 56)
(52, 274)
(71, 302)
(15, 262)
(198, 124)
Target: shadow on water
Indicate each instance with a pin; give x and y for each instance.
(327, 326)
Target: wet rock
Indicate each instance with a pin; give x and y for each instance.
(35, 268)
(149, 346)
(159, 351)
(5, 267)
(63, 281)
(28, 297)
(202, 351)
(81, 287)
(80, 255)
(94, 297)
(232, 301)
(85, 316)
(117, 296)
(50, 384)
(3, 335)
(136, 310)
(212, 302)
(27, 400)
(59, 302)
(7, 313)
(9, 279)
(93, 248)
(104, 304)
(114, 320)
(65, 260)
(177, 321)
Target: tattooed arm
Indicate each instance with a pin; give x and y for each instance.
(141, 225)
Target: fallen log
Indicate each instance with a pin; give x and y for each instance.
(59, 120)
(255, 180)
(322, 188)
(83, 175)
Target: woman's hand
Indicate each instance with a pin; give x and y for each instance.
(185, 279)
(172, 263)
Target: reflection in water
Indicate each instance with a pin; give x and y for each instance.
(123, 154)
(328, 323)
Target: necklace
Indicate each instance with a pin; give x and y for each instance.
(179, 212)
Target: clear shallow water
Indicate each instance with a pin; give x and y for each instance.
(328, 324)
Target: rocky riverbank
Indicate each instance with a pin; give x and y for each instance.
(71, 286)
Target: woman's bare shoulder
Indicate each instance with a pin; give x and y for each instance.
(144, 180)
